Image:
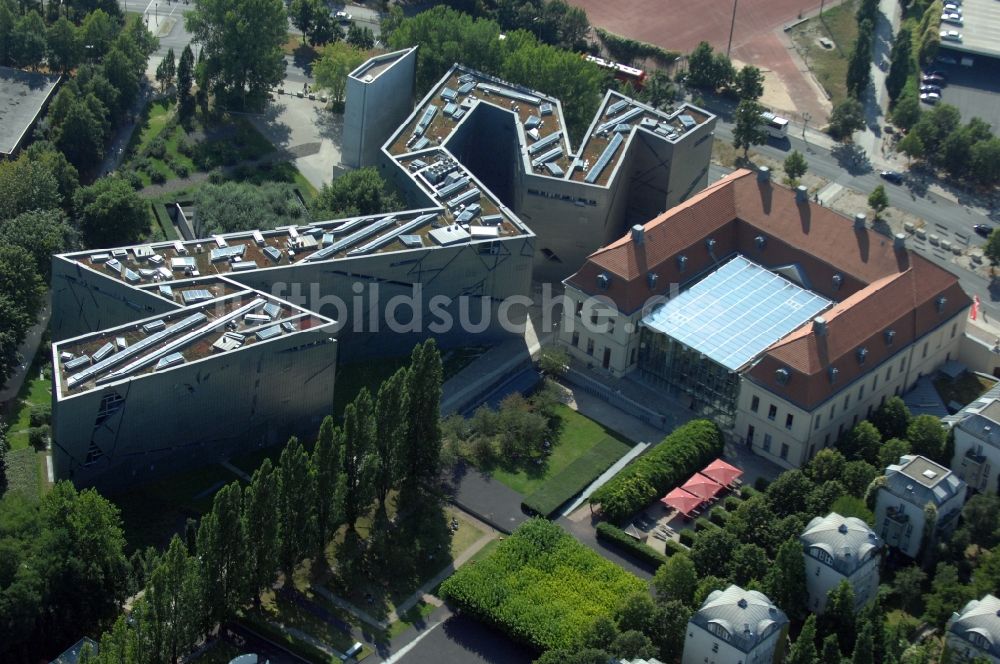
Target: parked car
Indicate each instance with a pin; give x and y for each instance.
(930, 98)
(929, 79)
(952, 7)
(930, 88)
(892, 176)
(343, 17)
(951, 17)
(982, 229)
(937, 73)
(951, 35)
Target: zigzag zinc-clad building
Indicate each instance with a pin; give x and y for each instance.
(175, 353)
(781, 319)
(633, 163)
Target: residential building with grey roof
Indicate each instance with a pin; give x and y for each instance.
(973, 632)
(911, 487)
(976, 429)
(736, 626)
(838, 548)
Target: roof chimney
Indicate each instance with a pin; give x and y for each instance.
(638, 234)
(801, 194)
(819, 326)
(763, 174)
(899, 241)
(859, 221)
(760, 241)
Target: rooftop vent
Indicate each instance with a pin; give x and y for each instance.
(940, 304)
(742, 604)
(801, 194)
(842, 529)
(651, 279)
(929, 474)
(833, 374)
(890, 336)
(760, 241)
(782, 375)
(603, 280)
(899, 241)
(862, 355)
(763, 174)
(638, 234)
(838, 281)
(819, 326)
(710, 243)
(682, 263)
(859, 221)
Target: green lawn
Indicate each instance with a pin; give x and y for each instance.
(829, 65)
(575, 477)
(415, 616)
(35, 391)
(25, 473)
(579, 435)
(964, 390)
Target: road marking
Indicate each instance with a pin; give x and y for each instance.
(396, 656)
(146, 11)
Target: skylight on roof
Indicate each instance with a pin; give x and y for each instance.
(736, 312)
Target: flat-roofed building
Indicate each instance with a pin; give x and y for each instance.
(23, 97)
(911, 487)
(836, 549)
(379, 95)
(973, 632)
(782, 320)
(736, 625)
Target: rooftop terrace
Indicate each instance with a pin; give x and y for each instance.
(212, 326)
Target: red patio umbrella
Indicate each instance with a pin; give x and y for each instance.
(701, 486)
(681, 500)
(722, 472)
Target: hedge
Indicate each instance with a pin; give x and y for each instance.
(541, 587)
(719, 516)
(615, 535)
(732, 503)
(701, 523)
(572, 479)
(747, 492)
(686, 536)
(685, 451)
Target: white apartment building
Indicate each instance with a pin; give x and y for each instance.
(976, 429)
(973, 633)
(736, 626)
(836, 549)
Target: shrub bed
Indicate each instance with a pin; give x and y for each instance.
(687, 537)
(719, 516)
(748, 492)
(618, 537)
(732, 503)
(701, 523)
(541, 587)
(683, 452)
(572, 479)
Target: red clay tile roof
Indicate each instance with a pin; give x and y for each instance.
(880, 287)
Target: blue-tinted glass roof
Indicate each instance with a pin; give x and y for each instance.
(736, 312)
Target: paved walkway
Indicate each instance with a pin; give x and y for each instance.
(26, 351)
(235, 471)
(605, 476)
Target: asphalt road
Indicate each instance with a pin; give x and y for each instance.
(456, 639)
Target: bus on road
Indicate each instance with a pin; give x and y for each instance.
(775, 125)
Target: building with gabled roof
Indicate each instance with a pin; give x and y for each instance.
(973, 632)
(836, 549)
(911, 487)
(785, 321)
(736, 626)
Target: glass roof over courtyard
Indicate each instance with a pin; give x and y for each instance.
(736, 312)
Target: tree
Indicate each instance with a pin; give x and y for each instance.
(795, 167)
(360, 38)
(747, 131)
(748, 564)
(637, 612)
(863, 646)
(858, 475)
(831, 650)
(97, 32)
(62, 45)
(260, 522)
(670, 623)
(175, 600)
(981, 518)
(304, 14)
(892, 418)
(846, 118)
(992, 247)
(27, 41)
(891, 451)
(110, 213)
(166, 70)
(659, 90)
(985, 162)
(185, 79)
(878, 201)
(26, 185)
(902, 63)
(357, 456)
(947, 593)
(751, 523)
(81, 135)
(788, 492)
(4, 448)
(421, 450)
(296, 521)
(710, 551)
(862, 442)
(828, 464)
(859, 73)
(325, 464)
(47, 156)
(906, 113)
(803, 651)
(390, 432)
(749, 83)
(839, 616)
(331, 70)
(243, 206)
(707, 69)
(41, 233)
(631, 645)
(355, 193)
(676, 580)
(785, 582)
(20, 280)
(601, 634)
(927, 437)
(222, 543)
(242, 42)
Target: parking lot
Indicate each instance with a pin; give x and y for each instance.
(974, 90)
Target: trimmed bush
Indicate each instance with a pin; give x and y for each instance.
(675, 547)
(619, 538)
(748, 492)
(685, 451)
(701, 523)
(732, 503)
(541, 587)
(686, 536)
(761, 483)
(40, 413)
(157, 177)
(719, 516)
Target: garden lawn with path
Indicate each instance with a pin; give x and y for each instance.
(579, 437)
(828, 65)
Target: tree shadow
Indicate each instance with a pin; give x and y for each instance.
(852, 158)
(303, 57)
